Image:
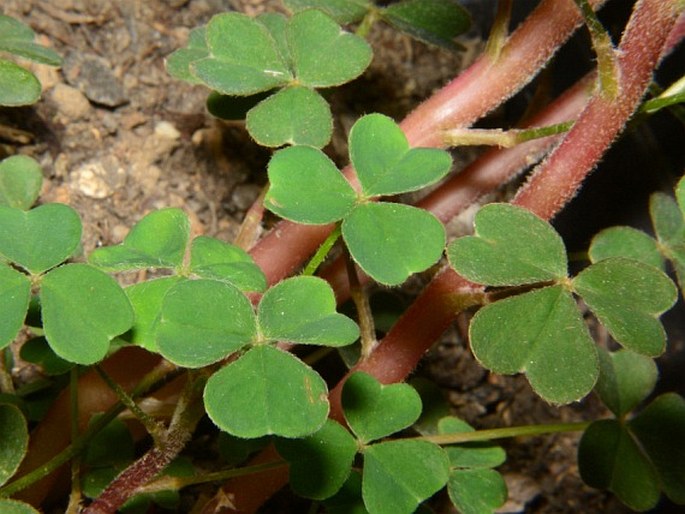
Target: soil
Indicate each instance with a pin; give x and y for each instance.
(117, 137)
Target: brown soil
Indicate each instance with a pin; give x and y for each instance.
(117, 137)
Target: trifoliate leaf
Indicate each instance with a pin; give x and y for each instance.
(203, 321)
(399, 475)
(83, 308)
(41, 238)
(319, 463)
(625, 379)
(20, 181)
(302, 310)
(211, 258)
(374, 410)
(324, 55)
(413, 240)
(293, 116)
(306, 187)
(625, 242)
(542, 334)
(267, 391)
(243, 57)
(15, 292)
(385, 164)
(178, 63)
(511, 246)
(628, 296)
(157, 241)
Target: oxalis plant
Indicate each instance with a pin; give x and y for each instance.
(238, 332)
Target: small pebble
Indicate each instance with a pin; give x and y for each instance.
(70, 102)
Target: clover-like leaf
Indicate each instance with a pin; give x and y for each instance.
(158, 240)
(625, 242)
(37, 351)
(478, 454)
(41, 238)
(342, 11)
(293, 116)
(543, 334)
(267, 391)
(243, 58)
(511, 246)
(324, 55)
(203, 321)
(413, 240)
(398, 475)
(667, 218)
(386, 165)
(83, 308)
(18, 86)
(373, 410)
(302, 310)
(20, 181)
(625, 379)
(15, 292)
(211, 258)
(433, 21)
(277, 25)
(146, 299)
(476, 491)
(628, 296)
(17, 38)
(319, 463)
(16, 507)
(14, 440)
(306, 187)
(638, 459)
(178, 63)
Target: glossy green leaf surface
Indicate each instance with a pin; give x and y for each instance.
(14, 440)
(293, 116)
(302, 310)
(477, 491)
(319, 463)
(609, 458)
(17, 85)
(625, 379)
(178, 63)
(41, 238)
(413, 240)
(373, 410)
(158, 240)
(399, 475)
(385, 164)
(625, 242)
(542, 334)
(203, 321)
(215, 259)
(342, 11)
(37, 351)
(16, 507)
(307, 187)
(324, 55)
(243, 57)
(15, 291)
(21, 178)
(511, 246)
(434, 21)
(146, 299)
(267, 391)
(83, 309)
(17, 38)
(628, 296)
(479, 454)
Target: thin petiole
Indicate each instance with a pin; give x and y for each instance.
(502, 433)
(322, 252)
(502, 138)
